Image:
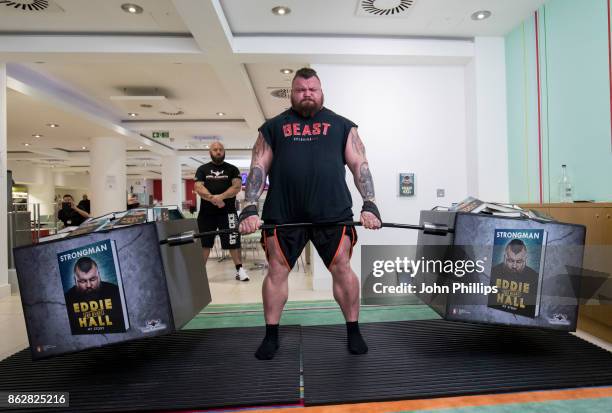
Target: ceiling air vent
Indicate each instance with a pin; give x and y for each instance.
(31, 5)
(395, 8)
(281, 92)
(145, 101)
(177, 113)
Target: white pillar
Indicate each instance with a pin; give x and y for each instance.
(487, 134)
(5, 288)
(107, 175)
(172, 182)
(43, 192)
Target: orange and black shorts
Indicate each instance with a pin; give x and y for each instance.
(326, 239)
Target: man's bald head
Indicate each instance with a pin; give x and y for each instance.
(217, 152)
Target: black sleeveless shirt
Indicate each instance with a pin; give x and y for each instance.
(307, 176)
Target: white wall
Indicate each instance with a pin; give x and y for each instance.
(173, 187)
(76, 193)
(44, 184)
(5, 288)
(75, 184)
(139, 184)
(78, 180)
(487, 121)
(411, 119)
(43, 194)
(24, 172)
(107, 174)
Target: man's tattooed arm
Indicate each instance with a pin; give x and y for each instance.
(357, 162)
(365, 183)
(260, 165)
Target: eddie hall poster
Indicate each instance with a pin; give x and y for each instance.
(517, 268)
(93, 289)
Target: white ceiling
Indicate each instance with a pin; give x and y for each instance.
(102, 16)
(444, 18)
(267, 78)
(204, 56)
(192, 87)
(28, 116)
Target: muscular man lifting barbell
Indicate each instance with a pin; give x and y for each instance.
(304, 150)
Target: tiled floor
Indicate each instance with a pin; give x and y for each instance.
(226, 290)
(13, 336)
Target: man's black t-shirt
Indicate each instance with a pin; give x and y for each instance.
(217, 179)
(70, 218)
(85, 205)
(307, 176)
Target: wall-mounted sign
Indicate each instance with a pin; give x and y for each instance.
(111, 181)
(159, 134)
(406, 184)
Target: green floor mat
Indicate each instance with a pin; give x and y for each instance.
(306, 314)
(556, 406)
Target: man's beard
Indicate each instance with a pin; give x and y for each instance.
(308, 108)
(90, 294)
(217, 159)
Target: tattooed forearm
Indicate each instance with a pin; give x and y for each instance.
(358, 146)
(255, 184)
(259, 148)
(365, 183)
(260, 162)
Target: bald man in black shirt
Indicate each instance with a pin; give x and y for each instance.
(304, 151)
(217, 183)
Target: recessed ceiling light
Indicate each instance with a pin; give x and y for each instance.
(481, 15)
(286, 71)
(52, 166)
(220, 113)
(140, 147)
(37, 135)
(26, 144)
(132, 114)
(53, 125)
(281, 10)
(131, 8)
(83, 147)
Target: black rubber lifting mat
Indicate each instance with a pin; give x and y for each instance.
(437, 358)
(189, 369)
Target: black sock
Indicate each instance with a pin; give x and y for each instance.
(269, 345)
(356, 343)
(238, 267)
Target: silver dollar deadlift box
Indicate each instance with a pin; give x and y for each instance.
(534, 265)
(145, 290)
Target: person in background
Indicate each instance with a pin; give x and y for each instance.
(133, 202)
(70, 214)
(84, 204)
(218, 183)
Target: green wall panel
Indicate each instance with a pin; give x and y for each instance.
(522, 113)
(575, 102)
